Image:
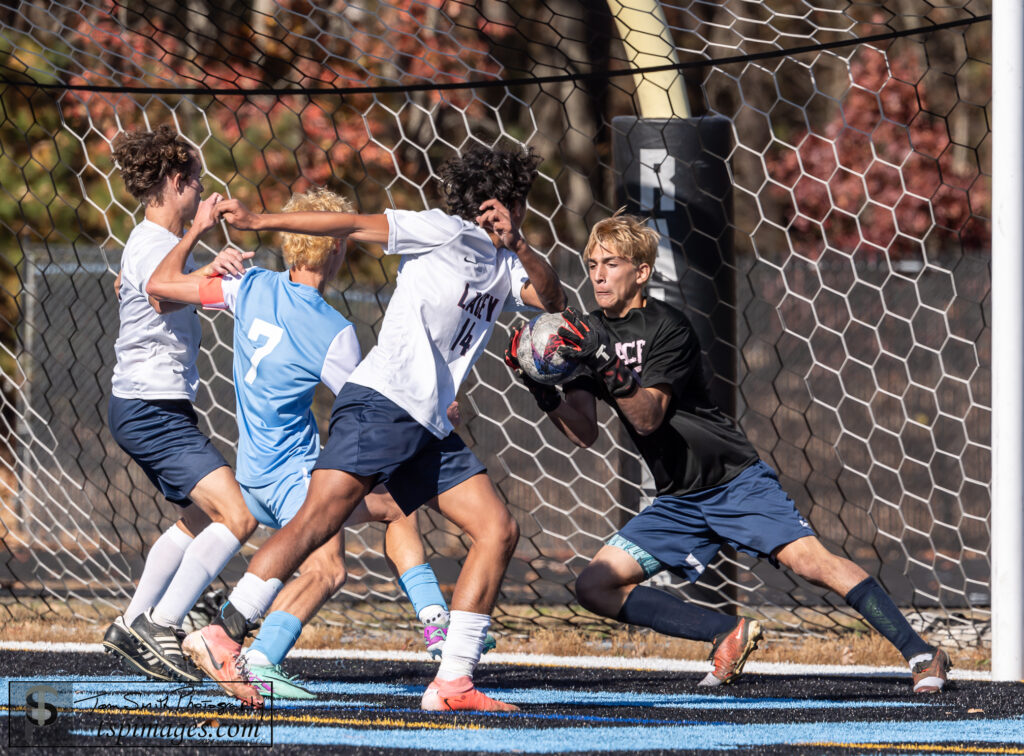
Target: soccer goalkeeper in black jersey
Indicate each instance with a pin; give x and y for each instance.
(643, 358)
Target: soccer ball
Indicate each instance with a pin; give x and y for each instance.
(536, 354)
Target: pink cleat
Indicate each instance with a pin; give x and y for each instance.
(459, 695)
(214, 652)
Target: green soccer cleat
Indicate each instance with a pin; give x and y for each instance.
(273, 682)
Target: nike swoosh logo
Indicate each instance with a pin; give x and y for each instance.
(470, 260)
(210, 654)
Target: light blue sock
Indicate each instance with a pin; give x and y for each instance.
(420, 585)
(278, 634)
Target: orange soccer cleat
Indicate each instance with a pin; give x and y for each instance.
(459, 695)
(730, 652)
(214, 652)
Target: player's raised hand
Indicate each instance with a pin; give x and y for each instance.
(228, 262)
(237, 214)
(454, 414)
(513, 348)
(496, 219)
(547, 397)
(206, 214)
(586, 341)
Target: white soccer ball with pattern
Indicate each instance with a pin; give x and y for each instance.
(537, 352)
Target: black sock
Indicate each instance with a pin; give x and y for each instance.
(670, 615)
(233, 622)
(874, 604)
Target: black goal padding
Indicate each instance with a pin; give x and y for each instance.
(674, 171)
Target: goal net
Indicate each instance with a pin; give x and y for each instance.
(821, 178)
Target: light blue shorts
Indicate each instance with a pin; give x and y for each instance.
(276, 503)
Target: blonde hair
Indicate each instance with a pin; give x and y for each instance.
(304, 251)
(628, 235)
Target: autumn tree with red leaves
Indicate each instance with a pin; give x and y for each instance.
(884, 178)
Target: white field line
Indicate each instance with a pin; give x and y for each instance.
(651, 664)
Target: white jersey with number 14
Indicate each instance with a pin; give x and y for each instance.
(453, 283)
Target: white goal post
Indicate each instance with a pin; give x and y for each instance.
(1008, 336)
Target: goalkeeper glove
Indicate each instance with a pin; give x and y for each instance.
(587, 342)
(547, 397)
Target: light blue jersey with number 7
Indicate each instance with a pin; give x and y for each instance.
(287, 340)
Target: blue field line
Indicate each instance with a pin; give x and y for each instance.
(151, 693)
(283, 707)
(534, 696)
(723, 736)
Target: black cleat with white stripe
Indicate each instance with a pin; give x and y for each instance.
(118, 641)
(165, 644)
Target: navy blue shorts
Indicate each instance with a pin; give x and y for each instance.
(751, 513)
(163, 437)
(373, 437)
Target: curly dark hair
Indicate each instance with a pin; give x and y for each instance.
(481, 173)
(146, 158)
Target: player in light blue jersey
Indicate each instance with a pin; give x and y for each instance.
(287, 340)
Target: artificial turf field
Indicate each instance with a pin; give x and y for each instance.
(370, 705)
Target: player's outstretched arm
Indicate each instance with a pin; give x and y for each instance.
(163, 284)
(646, 409)
(365, 228)
(586, 341)
(169, 282)
(543, 290)
(576, 417)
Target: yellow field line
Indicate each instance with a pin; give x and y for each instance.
(919, 747)
(282, 718)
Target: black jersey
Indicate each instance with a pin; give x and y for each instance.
(697, 446)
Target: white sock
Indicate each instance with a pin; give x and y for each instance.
(463, 644)
(210, 551)
(161, 563)
(253, 595)
(435, 614)
(256, 658)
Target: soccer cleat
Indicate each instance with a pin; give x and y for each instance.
(929, 671)
(490, 643)
(163, 642)
(273, 682)
(435, 635)
(205, 611)
(119, 641)
(730, 652)
(214, 652)
(459, 695)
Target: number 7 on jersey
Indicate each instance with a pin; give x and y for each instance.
(273, 334)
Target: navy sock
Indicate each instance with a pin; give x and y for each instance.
(874, 604)
(670, 615)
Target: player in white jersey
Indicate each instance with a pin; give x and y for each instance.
(457, 273)
(150, 412)
(287, 340)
